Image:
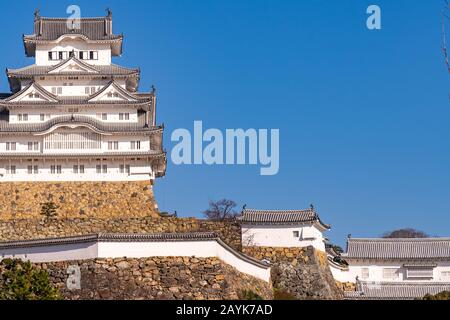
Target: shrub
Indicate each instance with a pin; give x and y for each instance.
(249, 295)
(48, 210)
(444, 295)
(21, 281)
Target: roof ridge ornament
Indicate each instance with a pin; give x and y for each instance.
(37, 15)
(108, 13)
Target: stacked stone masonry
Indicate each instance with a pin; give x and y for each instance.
(23, 200)
(161, 278)
(301, 272)
(24, 229)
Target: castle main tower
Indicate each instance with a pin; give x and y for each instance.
(74, 129)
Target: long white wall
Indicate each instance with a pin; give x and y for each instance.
(282, 236)
(105, 249)
(441, 273)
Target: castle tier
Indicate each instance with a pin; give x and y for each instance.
(74, 115)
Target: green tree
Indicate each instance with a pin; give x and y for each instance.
(445, 295)
(49, 210)
(21, 281)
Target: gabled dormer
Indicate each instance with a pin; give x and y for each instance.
(73, 65)
(112, 92)
(32, 93)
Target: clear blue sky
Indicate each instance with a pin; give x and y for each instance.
(363, 115)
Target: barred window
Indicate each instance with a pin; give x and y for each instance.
(11, 146)
(11, 170)
(365, 273)
(67, 141)
(419, 272)
(390, 273)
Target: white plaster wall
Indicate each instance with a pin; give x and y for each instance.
(78, 251)
(141, 170)
(376, 272)
(201, 249)
(34, 115)
(104, 51)
(282, 236)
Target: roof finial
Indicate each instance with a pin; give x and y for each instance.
(37, 14)
(311, 206)
(349, 236)
(108, 13)
(244, 207)
(153, 89)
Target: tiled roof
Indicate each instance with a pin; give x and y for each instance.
(254, 216)
(140, 98)
(395, 290)
(423, 248)
(107, 127)
(93, 28)
(132, 237)
(104, 70)
(120, 237)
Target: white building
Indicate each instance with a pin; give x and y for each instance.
(395, 268)
(282, 228)
(75, 116)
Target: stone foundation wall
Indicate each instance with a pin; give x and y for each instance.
(19, 200)
(24, 229)
(155, 278)
(301, 272)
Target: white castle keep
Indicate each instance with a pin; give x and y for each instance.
(74, 115)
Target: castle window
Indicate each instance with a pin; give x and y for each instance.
(33, 169)
(93, 55)
(11, 170)
(33, 146)
(365, 273)
(296, 234)
(83, 55)
(42, 117)
(52, 55)
(78, 169)
(124, 116)
(57, 90)
(105, 168)
(11, 146)
(135, 145)
(22, 117)
(390, 273)
(98, 168)
(58, 169)
(113, 145)
(104, 116)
